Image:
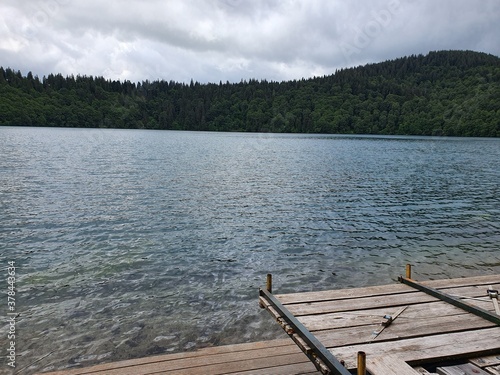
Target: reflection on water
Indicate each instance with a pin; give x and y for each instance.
(133, 243)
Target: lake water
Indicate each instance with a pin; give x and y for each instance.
(133, 243)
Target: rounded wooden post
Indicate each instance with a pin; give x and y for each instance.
(408, 271)
(361, 363)
(269, 283)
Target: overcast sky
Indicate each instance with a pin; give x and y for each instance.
(231, 40)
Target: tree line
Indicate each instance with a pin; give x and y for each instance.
(451, 93)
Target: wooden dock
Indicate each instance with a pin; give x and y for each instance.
(416, 333)
(400, 329)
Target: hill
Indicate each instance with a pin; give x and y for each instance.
(453, 93)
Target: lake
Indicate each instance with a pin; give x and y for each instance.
(131, 243)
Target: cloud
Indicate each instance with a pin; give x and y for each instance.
(212, 40)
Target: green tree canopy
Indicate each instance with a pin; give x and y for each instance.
(442, 93)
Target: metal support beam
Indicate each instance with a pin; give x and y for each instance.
(318, 348)
(485, 314)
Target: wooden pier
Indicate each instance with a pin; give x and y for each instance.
(400, 329)
(397, 328)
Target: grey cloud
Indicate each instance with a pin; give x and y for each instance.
(212, 40)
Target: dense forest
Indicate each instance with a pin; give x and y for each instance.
(452, 93)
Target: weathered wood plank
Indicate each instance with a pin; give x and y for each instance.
(350, 293)
(203, 356)
(464, 281)
(402, 328)
(423, 371)
(417, 350)
(484, 361)
(176, 356)
(290, 369)
(428, 326)
(389, 365)
(478, 291)
(360, 304)
(375, 316)
(344, 319)
(494, 370)
(465, 369)
(211, 366)
(250, 365)
(379, 290)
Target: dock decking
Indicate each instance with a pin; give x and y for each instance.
(423, 328)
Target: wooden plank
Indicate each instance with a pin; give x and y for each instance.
(361, 304)
(484, 361)
(423, 349)
(465, 369)
(251, 365)
(423, 371)
(211, 355)
(389, 365)
(350, 293)
(402, 328)
(466, 291)
(429, 326)
(494, 370)
(290, 369)
(172, 357)
(379, 290)
(345, 319)
(199, 367)
(465, 281)
(375, 316)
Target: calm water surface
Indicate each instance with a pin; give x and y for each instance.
(133, 243)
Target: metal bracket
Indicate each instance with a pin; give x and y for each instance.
(388, 320)
(493, 294)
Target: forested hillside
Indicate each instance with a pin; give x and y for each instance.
(454, 93)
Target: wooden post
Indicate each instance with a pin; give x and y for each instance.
(269, 283)
(361, 363)
(408, 271)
